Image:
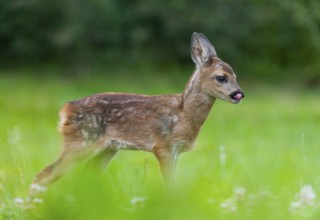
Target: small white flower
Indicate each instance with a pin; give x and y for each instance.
(305, 198)
(252, 199)
(307, 195)
(2, 206)
(239, 192)
(229, 205)
(38, 188)
(138, 200)
(14, 136)
(295, 206)
(37, 200)
(18, 200)
(222, 155)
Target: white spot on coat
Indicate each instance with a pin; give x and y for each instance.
(174, 101)
(174, 119)
(85, 134)
(121, 145)
(94, 121)
(218, 66)
(104, 102)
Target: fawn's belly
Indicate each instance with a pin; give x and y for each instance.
(119, 144)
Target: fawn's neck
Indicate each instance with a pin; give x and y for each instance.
(196, 104)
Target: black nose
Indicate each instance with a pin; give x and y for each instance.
(237, 95)
(242, 94)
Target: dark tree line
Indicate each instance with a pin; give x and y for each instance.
(280, 32)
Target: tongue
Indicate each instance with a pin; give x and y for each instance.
(238, 96)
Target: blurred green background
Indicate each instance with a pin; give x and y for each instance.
(256, 160)
(261, 39)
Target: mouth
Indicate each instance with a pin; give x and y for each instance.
(236, 96)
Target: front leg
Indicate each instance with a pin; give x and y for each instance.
(167, 157)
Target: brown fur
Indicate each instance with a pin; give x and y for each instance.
(100, 125)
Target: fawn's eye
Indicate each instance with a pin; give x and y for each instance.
(221, 79)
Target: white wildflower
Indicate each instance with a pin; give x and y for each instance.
(37, 200)
(14, 136)
(252, 199)
(307, 195)
(38, 188)
(138, 200)
(239, 193)
(295, 206)
(2, 206)
(305, 198)
(222, 155)
(229, 205)
(18, 200)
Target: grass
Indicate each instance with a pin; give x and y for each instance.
(251, 160)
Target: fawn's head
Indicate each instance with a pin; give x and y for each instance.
(216, 77)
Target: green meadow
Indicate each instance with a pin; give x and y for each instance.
(256, 160)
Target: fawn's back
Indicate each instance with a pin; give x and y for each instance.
(120, 121)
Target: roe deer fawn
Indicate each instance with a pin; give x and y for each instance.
(100, 125)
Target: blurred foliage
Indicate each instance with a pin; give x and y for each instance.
(280, 33)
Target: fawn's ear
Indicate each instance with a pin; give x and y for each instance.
(201, 49)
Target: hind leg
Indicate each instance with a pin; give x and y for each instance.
(56, 170)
